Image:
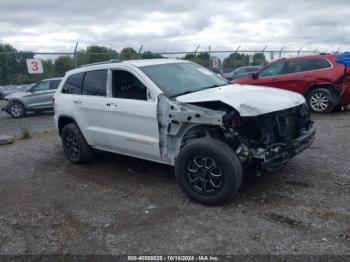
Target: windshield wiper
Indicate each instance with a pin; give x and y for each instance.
(216, 85)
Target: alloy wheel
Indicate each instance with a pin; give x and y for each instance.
(204, 175)
(16, 110)
(71, 143)
(319, 102)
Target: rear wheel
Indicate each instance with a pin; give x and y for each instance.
(75, 147)
(17, 110)
(321, 100)
(208, 171)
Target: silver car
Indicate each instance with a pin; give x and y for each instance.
(36, 98)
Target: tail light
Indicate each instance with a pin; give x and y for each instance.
(348, 70)
(53, 101)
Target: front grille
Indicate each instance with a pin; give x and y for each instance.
(287, 127)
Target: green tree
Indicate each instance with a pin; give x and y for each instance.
(13, 68)
(259, 59)
(201, 58)
(150, 55)
(235, 60)
(95, 54)
(128, 53)
(63, 64)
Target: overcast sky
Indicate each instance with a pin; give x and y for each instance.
(175, 25)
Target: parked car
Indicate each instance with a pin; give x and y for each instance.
(179, 113)
(217, 71)
(7, 90)
(35, 98)
(226, 72)
(243, 71)
(324, 82)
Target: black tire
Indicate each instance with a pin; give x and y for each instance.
(17, 109)
(74, 145)
(321, 101)
(208, 149)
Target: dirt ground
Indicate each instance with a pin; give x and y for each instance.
(122, 205)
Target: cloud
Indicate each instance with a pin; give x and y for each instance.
(175, 25)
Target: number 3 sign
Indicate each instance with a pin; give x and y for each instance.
(34, 66)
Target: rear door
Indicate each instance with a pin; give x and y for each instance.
(90, 107)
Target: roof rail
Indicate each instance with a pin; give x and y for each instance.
(101, 63)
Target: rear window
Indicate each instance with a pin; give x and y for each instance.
(73, 84)
(297, 66)
(94, 83)
(54, 84)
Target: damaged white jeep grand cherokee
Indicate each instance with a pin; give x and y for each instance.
(179, 113)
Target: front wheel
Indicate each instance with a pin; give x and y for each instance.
(17, 110)
(208, 171)
(321, 101)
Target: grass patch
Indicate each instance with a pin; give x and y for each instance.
(25, 134)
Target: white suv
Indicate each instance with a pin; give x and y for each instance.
(179, 113)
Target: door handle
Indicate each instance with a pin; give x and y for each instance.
(111, 105)
(77, 101)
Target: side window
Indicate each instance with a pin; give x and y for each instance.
(294, 66)
(42, 86)
(73, 84)
(319, 64)
(54, 84)
(303, 65)
(126, 85)
(272, 70)
(251, 70)
(94, 83)
(240, 70)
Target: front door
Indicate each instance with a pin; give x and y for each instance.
(40, 95)
(132, 116)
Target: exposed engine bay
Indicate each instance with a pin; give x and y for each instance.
(264, 141)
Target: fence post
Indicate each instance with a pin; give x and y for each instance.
(195, 51)
(75, 56)
(299, 50)
(209, 50)
(281, 52)
(139, 52)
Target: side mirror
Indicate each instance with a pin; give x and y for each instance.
(254, 75)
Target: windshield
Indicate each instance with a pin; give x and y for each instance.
(176, 79)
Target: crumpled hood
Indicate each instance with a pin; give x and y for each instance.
(246, 99)
(17, 95)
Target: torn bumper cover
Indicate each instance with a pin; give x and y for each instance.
(272, 139)
(6, 108)
(279, 153)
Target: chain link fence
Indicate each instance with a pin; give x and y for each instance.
(14, 71)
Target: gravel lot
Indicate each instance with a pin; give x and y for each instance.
(122, 205)
(34, 123)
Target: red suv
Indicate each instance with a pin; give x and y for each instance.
(324, 82)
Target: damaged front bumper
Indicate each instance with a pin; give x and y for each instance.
(6, 108)
(279, 153)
